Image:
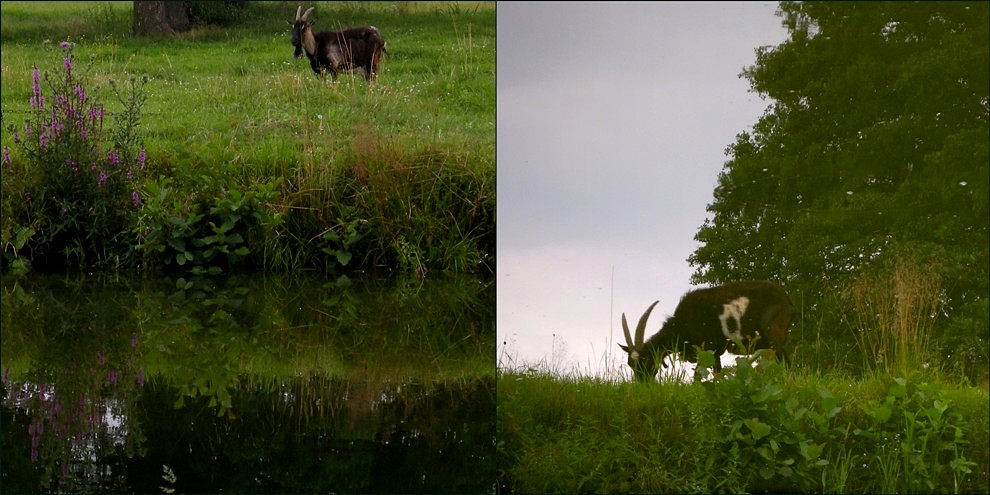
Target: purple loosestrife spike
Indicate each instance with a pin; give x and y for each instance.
(68, 65)
(17, 138)
(134, 336)
(140, 378)
(103, 179)
(136, 200)
(36, 77)
(141, 158)
(6, 155)
(114, 158)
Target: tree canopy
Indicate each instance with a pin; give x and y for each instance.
(874, 147)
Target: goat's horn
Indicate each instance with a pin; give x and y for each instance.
(298, 11)
(641, 327)
(306, 14)
(625, 330)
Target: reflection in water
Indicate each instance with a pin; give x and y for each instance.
(242, 385)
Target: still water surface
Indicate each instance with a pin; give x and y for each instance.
(247, 384)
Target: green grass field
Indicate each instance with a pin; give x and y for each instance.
(409, 162)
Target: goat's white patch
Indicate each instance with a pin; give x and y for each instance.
(634, 355)
(735, 309)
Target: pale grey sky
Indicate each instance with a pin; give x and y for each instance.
(613, 120)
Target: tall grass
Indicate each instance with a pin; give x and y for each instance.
(762, 429)
(894, 315)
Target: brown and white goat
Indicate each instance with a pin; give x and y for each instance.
(335, 51)
(711, 319)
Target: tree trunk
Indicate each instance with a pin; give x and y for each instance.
(160, 17)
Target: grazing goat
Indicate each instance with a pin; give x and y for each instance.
(711, 318)
(334, 51)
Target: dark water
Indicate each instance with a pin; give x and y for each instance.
(247, 385)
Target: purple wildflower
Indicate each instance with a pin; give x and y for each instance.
(140, 378)
(72, 164)
(103, 179)
(141, 157)
(68, 65)
(81, 94)
(43, 140)
(102, 358)
(17, 138)
(65, 45)
(112, 377)
(114, 158)
(136, 200)
(6, 155)
(37, 100)
(134, 336)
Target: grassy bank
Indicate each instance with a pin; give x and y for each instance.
(754, 430)
(254, 161)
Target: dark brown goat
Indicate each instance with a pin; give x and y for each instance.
(335, 51)
(710, 319)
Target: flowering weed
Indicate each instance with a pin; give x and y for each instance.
(70, 186)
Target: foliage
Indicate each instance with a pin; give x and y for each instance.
(875, 147)
(208, 232)
(71, 192)
(758, 427)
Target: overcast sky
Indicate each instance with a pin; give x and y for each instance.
(613, 120)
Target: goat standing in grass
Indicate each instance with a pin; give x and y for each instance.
(755, 313)
(335, 51)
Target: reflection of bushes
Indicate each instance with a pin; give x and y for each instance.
(321, 432)
(366, 348)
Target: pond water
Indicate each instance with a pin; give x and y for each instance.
(247, 384)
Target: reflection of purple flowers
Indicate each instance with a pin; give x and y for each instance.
(35, 429)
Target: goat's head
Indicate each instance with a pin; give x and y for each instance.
(301, 29)
(644, 362)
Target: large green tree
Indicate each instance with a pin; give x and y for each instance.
(875, 147)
